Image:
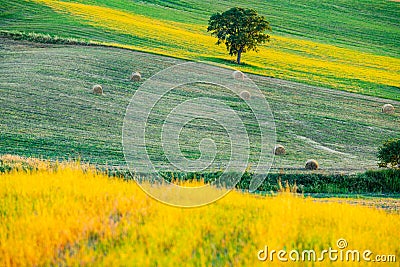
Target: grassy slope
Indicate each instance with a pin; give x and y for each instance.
(369, 25)
(366, 30)
(48, 109)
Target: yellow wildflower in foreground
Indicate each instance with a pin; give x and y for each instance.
(75, 216)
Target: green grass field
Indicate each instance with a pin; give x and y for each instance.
(366, 25)
(48, 110)
(345, 45)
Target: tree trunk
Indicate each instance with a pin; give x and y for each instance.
(239, 54)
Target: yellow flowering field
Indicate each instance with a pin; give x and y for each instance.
(70, 215)
(284, 57)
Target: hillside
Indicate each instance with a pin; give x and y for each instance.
(346, 45)
(48, 109)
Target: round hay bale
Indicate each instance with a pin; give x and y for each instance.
(136, 76)
(97, 89)
(245, 95)
(238, 75)
(312, 164)
(388, 109)
(279, 150)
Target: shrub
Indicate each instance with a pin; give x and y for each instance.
(389, 153)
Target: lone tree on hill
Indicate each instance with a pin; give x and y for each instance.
(239, 29)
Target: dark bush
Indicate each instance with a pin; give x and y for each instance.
(389, 153)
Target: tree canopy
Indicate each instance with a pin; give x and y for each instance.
(389, 153)
(240, 29)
